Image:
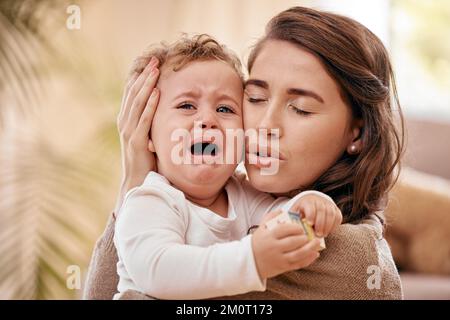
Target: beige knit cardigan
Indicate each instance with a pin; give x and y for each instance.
(357, 264)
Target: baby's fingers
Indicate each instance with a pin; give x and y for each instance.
(309, 211)
(321, 216)
(330, 219)
(292, 243)
(287, 229)
(302, 256)
(307, 260)
(338, 217)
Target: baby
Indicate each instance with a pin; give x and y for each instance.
(183, 234)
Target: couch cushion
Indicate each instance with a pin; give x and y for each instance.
(424, 286)
(418, 218)
(427, 146)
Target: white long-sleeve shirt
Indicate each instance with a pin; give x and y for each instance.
(171, 248)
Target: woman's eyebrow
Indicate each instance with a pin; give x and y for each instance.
(303, 92)
(259, 83)
(292, 91)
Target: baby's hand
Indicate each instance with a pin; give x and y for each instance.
(283, 248)
(320, 212)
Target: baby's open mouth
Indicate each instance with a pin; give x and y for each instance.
(204, 148)
(260, 154)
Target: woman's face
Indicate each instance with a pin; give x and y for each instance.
(290, 90)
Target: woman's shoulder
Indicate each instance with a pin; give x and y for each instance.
(361, 250)
(361, 243)
(356, 264)
(362, 233)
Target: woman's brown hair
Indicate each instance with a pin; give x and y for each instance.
(359, 63)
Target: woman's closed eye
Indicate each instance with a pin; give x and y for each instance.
(299, 110)
(255, 98)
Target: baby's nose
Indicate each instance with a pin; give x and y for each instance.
(208, 121)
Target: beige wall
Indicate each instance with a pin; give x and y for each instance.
(124, 28)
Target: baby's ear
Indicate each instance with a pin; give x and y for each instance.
(150, 146)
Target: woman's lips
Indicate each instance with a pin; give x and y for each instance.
(262, 162)
(264, 152)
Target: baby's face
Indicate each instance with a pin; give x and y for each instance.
(198, 105)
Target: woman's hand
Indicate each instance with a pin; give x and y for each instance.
(139, 103)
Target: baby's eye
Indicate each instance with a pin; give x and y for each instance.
(186, 106)
(224, 109)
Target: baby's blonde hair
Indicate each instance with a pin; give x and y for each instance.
(188, 49)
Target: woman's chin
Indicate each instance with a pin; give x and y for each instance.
(265, 183)
(262, 183)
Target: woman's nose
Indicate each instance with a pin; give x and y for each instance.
(271, 121)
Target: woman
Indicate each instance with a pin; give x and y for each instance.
(326, 83)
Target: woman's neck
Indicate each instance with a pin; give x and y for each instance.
(292, 193)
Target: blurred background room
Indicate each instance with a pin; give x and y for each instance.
(62, 70)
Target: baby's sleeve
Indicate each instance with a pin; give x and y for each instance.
(260, 203)
(150, 238)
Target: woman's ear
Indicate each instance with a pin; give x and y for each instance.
(355, 145)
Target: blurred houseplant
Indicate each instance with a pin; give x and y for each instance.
(53, 201)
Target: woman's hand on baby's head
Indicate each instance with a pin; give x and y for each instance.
(139, 102)
(281, 249)
(322, 213)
